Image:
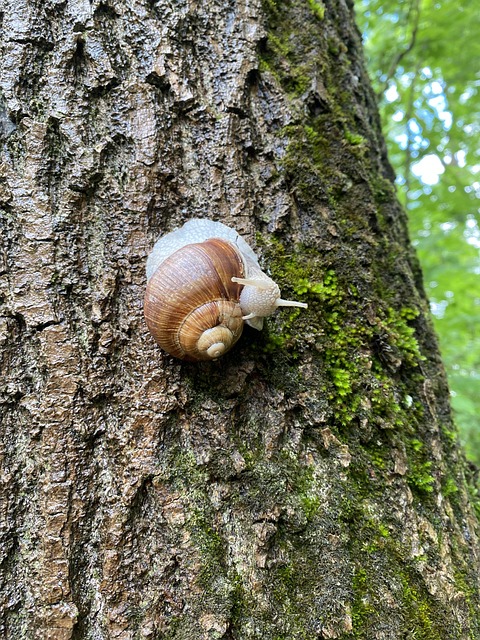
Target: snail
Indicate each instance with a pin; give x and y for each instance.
(203, 283)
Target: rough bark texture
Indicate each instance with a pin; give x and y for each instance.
(308, 484)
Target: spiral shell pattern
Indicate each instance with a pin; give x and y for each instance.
(191, 304)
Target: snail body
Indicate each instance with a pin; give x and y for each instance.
(203, 283)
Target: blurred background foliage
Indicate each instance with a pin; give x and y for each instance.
(424, 60)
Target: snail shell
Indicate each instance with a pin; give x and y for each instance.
(192, 306)
(203, 283)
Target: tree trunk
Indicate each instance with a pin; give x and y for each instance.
(309, 483)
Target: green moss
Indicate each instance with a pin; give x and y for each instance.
(350, 372)
(296, 81)
(184, 471)
(416, 606)
(280, 481)
(305, 161)
(208, 541)
(353, 138)
(383, 189)
(282, 55)
(378, 457)
(419, 475)
(327, 289)
(241, 601)
(273, 341)
(289, 272)
(344, 337)
(342, 381)
(289, 584)
(404, 335)
(311, 504)
(363, 608)
(416, 445)
(449, 486)
(451, 436)
(279, 47)
(318, 9)
(271, 6)
(418, 612)
(363, 339)
(421, 478)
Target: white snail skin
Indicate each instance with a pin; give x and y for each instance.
(203, 283)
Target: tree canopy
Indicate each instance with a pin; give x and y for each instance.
(423, 59)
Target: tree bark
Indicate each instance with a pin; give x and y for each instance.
(307, 485)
